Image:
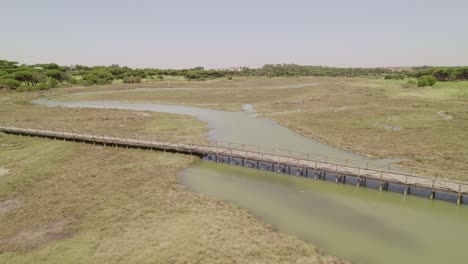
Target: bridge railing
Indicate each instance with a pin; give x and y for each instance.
(345, 162)
(179, 141)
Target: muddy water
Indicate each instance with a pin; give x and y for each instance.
(360, 225)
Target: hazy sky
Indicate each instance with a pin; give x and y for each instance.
(215, 34)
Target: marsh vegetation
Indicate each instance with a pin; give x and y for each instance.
(375, 117)
(66, 202)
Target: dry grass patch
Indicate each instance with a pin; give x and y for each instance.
(3, 171)
(9, 205)
(92, 204)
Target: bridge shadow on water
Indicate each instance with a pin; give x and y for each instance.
(334, 177)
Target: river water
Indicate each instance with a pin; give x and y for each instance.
(360, 225)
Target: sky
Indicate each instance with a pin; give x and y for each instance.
(221, 34)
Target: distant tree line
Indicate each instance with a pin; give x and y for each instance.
(428, 76)
(445, 73)
(394, 77)
(44, 76)
(280, 70)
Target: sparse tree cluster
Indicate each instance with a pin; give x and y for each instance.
(31, 77)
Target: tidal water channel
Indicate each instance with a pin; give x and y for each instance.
(358, 224)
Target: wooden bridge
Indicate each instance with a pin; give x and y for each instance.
(309, 165)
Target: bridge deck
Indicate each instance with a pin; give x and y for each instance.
(275, 157)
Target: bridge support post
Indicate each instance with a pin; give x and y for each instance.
(383, 186)
(407, 190)
(358, 183)
(337, 179)
(433, 191)
(460, 196)
(361, 182)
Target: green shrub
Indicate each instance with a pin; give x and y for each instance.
(132, 79)
(53, 82)
(10, 83)
(394, 77)
(423, 83)
(426, 80)
(42, 86)
(73, 81)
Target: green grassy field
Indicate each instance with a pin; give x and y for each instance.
(63, 202)
(424, 127)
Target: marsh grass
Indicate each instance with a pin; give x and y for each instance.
(349, 113)
(88, 204)
(65, 202)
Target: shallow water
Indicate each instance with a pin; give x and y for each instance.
(361, 225)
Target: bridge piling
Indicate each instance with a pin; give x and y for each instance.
(433, 190)
(407, 190)
(460, 196)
